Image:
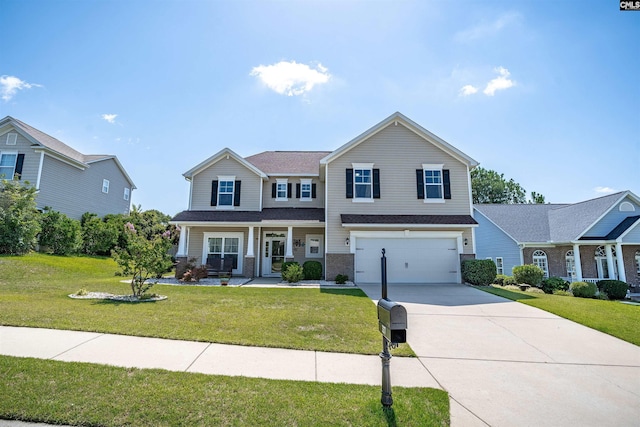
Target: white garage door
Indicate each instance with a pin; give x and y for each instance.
(430, 260)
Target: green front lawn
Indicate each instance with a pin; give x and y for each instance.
(34, 292)
(611, 317)
(88, 394)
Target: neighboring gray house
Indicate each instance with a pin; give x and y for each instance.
(396, 186)
(66, 181)
(587, 241)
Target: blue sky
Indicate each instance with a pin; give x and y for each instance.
(545, 92)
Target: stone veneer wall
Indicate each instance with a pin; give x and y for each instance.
(339, 264)
(249, 267)
(181, 266)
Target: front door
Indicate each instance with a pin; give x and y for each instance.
(273, 250)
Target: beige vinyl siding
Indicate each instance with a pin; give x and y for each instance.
(31, 159)
(397, 152)
(196, 240)
(250, 187)
(73, 191)
(299, 252)
(292, 202)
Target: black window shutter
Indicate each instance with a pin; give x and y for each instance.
(313, 191)
(420, 183)
(349, 188)
(376, 183)
(289, 190)
(214, 193)
(297, 190)
(236, 193)
(446, 184)
(273, 190)
(19, 163)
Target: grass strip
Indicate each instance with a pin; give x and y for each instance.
(611, 317)
(34, 292)
(96, 395)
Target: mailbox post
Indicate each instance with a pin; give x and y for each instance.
(392, 322)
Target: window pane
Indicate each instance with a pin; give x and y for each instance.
(231, 245)
(363, 190)
(8, 160)
(433, 177)
(225, 200)
(215, 245)
(225, 193)
(282, 191)
(305, 191)
(434, 192)
(362, 175)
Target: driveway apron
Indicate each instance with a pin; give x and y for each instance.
(507, 364)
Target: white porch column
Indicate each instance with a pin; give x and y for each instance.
(182, 243)
(611, 268)
(250, 242)
(577, 262)
(620, 259)
(289, 253)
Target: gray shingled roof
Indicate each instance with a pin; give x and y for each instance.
(267, 214)
(288, 162)
(50, 142)
(408, 219)
(547, 222)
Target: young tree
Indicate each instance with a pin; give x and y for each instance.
(488, 186)
(19, 223)
(143, 258)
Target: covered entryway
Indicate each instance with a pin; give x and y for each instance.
(409, 260)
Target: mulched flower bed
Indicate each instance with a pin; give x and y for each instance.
(121, 298)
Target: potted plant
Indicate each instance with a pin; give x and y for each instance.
(224, 280)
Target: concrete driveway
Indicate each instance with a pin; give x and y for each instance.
(508, 364)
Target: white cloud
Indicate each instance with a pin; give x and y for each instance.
(468, 90)
(291, 78)
(605, 190)
(111, 118)
(10, 85)
(499, 83)
(487, 29)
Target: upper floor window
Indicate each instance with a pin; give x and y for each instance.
(363, 182)
(105, 186)
(433, 183)
(8, 165)
(127, 192)
(12, 137)
(281, 190)
(225, 191)
(305, 189)
(540, 259)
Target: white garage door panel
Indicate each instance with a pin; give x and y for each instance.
(408, 260)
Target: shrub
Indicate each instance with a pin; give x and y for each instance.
(562, 293)
(480, 272)
(583, 289)
(98, 236)
(82, 292)
(19, 223)
(59, 234)
(534, 290)
(341, 279)
(509, 281)
(552, 284)
(499, 280)
(512, 287)
(293, 273)
(194, 274)
(615, 289)
(285, 266)
(529, 274)
(312, 270)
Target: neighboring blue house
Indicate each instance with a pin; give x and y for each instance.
(587, 241)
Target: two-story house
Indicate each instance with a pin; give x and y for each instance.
(66, 180)
(397, 186)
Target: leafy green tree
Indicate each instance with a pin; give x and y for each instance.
(488, 186)
(143, 258)
(59, 233)
(19, 223)
(99, 237)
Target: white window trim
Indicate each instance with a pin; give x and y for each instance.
(362, 166)
(127, 193)
(542, 255)
(433, 167)
(307, 246)
(2, 153)
(105, 186)
(226, 178)
(306, 182)
(10, 140)
(499, 268)
(238, 235)
(280, 182)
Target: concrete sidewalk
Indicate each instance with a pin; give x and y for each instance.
(208, 358)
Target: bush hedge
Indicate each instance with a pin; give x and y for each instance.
(554, 284)
(285, 266)
(529, 274)
(583, 289)
(480, 272)
(293, 273)
(499, 280)
(615, 289)
(312, 270)
(509, 280)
